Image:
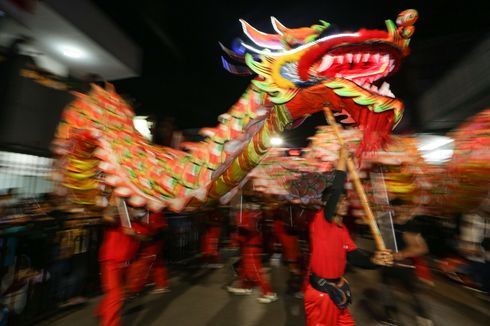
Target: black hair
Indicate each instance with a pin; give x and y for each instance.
(397, 202)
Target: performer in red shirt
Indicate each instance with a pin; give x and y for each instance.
(149, 260)
(210, 239)
(250, 270)
(289, 240)
(118, 248)
(327, 294)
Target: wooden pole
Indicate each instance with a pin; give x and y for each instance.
(354, 176)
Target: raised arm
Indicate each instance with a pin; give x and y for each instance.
(332, 195)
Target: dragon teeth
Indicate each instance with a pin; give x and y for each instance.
(357, 58)
(384, 88)
(392, 65)
(340, 59)
(349, 57)
(365, 57)
(326, 63)
(376, 57)
(386, 58)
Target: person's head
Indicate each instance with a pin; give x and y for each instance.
(341, 210)
(342, 206)
(401, 209)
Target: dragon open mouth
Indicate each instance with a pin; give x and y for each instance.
(366, 69)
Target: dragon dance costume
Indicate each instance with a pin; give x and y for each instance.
(299, 72)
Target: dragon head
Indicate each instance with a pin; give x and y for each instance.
(305, 70)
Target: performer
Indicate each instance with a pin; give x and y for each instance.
(411, 244)
(289, 241)
(210, 240)
(149, 260)
(327, 294)
(250, 270)
(118, 248)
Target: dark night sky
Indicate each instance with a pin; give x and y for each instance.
(182, 74)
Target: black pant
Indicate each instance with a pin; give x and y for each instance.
(406, 278)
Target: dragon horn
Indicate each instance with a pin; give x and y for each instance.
(270, 41)
(278, 27)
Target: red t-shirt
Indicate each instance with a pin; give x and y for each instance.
(330, 244)
(117, 246)
(157, 221)
(248, 218)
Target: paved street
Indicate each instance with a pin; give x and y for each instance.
(198, 297)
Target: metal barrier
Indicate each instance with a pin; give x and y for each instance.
(43, 265)
(47, 261)
(183, 236)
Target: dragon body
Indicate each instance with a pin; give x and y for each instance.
(299, 72)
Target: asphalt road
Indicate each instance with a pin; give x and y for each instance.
(198, 297)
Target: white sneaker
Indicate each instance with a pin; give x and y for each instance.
(421, 321)
(160, 290)
(267, 298)
(239, 291)
(275, 260)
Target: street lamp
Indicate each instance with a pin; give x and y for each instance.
(276, 141)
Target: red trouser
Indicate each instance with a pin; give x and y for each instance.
(321, 311)
(234, 240)
(210, 241)
(112, 279)
(251, 272)
(149, 261)
(290, 245)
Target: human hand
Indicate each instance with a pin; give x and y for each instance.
(343, 151)
(398, 256)
(383, 257)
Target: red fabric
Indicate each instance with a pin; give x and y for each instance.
(234, 240)
(116, 250)
(376, 125)
(248, 218)
(329, 246)
(112, 279)
(157, 221)
(160, 275)
(149, 261)
(117, 246)
(290, 246)
(210, 241)
(142, 228)
(321, 311)
(251, 272)
(422, 269)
